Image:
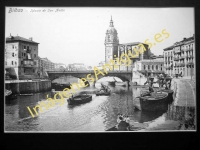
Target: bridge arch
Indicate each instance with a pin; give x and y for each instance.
(123, 75)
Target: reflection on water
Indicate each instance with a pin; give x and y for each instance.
(96, 115)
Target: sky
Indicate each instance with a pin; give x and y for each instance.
(77, 34)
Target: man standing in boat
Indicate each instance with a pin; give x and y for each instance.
(167, 82)
(147, 76)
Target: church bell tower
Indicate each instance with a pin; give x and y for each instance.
(111, 43)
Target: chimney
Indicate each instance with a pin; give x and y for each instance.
(31, 38)
(184, 38)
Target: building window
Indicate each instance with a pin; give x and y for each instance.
(24, 47)
(15, 63)
(34, 55)
(13, 54)
(22, 54)
(35, 63)
(33, 70)
(13, 46)
(12, 62)
(148, 67)
(152, 67)
(22, 62)
(156, 67)
(144, 67)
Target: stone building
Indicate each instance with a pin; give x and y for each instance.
(60, 66)
(180, 57)
(21, 57)
(149, 65)
(46, 64)
(111, 43)
(168, 60)
(114, 50)
(77, 67)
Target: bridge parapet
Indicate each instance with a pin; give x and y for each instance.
(124, 75)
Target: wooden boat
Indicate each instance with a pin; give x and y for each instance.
(170, 94)
(79, 99)
(60, 87)
(156, 101)
(101, 93)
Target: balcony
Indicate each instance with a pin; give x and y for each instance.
(182, 64)
(191, 49)
(190, 64)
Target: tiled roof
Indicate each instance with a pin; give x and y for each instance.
(18, 38)
(169, 48)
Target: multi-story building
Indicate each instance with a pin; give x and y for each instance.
(21, 57)
(60, 66)
(168, 60)
(46, 64)
(180, 58)
(149, 65)
(77, 67)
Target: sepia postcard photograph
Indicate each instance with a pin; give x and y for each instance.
(99, 69)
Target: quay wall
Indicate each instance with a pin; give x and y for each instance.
(29, 87)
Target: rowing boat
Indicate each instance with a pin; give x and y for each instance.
(79, 99)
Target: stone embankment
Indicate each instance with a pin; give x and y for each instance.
(28, 86)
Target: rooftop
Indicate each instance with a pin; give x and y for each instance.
(18, 38)
(169, 48)
(152, 60)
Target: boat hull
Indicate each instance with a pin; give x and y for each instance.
(60, 87)
(150, 103)
(170, 95)
(80, 99)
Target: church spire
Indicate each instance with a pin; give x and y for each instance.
(111, 22)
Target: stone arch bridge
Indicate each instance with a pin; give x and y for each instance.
(123, 75)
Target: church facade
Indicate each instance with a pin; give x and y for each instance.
(113, 49)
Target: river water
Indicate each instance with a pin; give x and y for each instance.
(97, 115)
